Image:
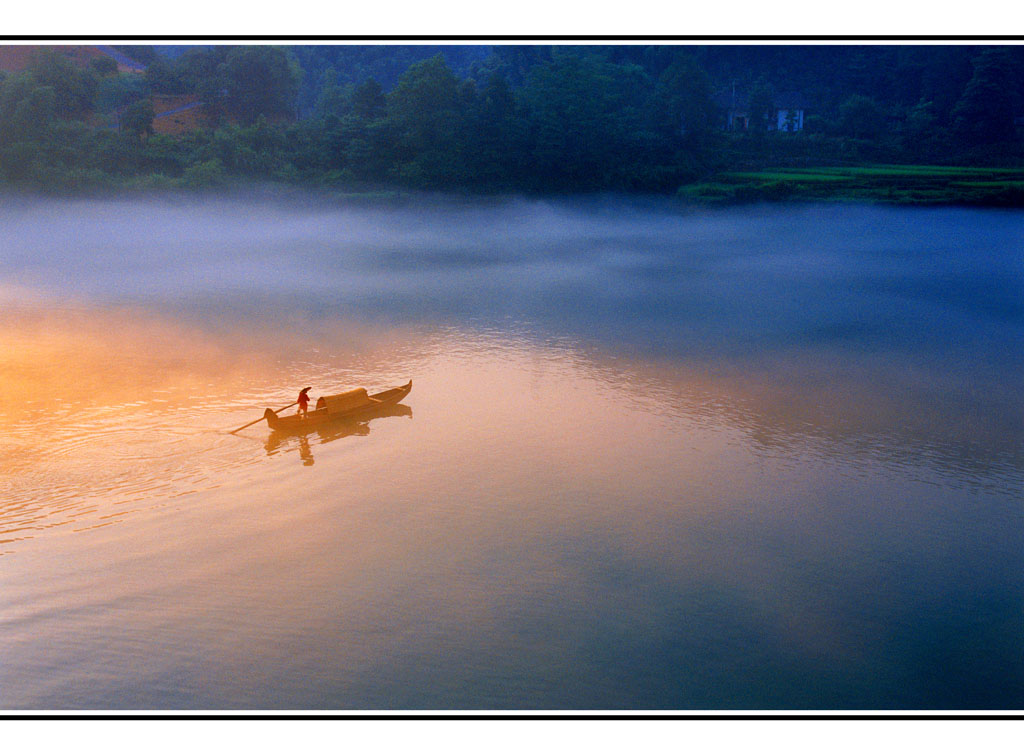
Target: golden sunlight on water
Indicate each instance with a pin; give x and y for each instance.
(107, 412)
(518, 471)
(101, 409)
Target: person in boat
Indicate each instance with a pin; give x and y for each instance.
(304, 401)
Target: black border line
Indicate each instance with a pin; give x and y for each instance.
(382, 38)
(511, 715)
(384, 716)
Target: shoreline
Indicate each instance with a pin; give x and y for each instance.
(894, 185)
(884, 185)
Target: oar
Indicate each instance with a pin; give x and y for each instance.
(261, 418)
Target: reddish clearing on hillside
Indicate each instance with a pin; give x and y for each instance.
(18, 57)
(174, 115)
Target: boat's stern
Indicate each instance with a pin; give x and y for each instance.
(272, 420)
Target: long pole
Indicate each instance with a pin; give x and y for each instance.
(261, 418)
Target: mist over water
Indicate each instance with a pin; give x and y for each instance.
(755, 458)
(742, 280)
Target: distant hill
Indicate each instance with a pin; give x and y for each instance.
(354, 64)
(177, 50)
(351, 64)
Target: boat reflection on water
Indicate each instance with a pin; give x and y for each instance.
(292, 439)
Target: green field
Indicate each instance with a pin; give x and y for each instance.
(890, 184)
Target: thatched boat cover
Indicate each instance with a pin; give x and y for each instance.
(345, 401)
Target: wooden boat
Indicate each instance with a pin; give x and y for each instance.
(352, 405)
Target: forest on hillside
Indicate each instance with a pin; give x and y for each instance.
(486, 119)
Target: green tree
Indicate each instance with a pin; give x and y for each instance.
(681, 101)
(118, 91)
(861, 117)
(920, 131)
(104, 66)
(426, 123)
(368, 102)
(334, 99)
(260, 80)
(760, 107)
(137, 120)
(73, 87)
(163, 78)
(28, 112)
(164, 154)
(206, 174)
(583, 115)
(944, 80)
(984, 114)
(492, 133)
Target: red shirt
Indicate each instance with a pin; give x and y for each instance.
(303, 399)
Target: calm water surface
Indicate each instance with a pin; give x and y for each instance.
(755, 459)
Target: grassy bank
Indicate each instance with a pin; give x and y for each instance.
(889, 184)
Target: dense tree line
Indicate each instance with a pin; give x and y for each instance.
(527, 118)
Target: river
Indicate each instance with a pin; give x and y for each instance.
(761, 458)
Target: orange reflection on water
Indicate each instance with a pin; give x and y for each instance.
(58, 362)
(101, 408)
(58, 359)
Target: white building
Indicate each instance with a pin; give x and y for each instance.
(787, 113)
